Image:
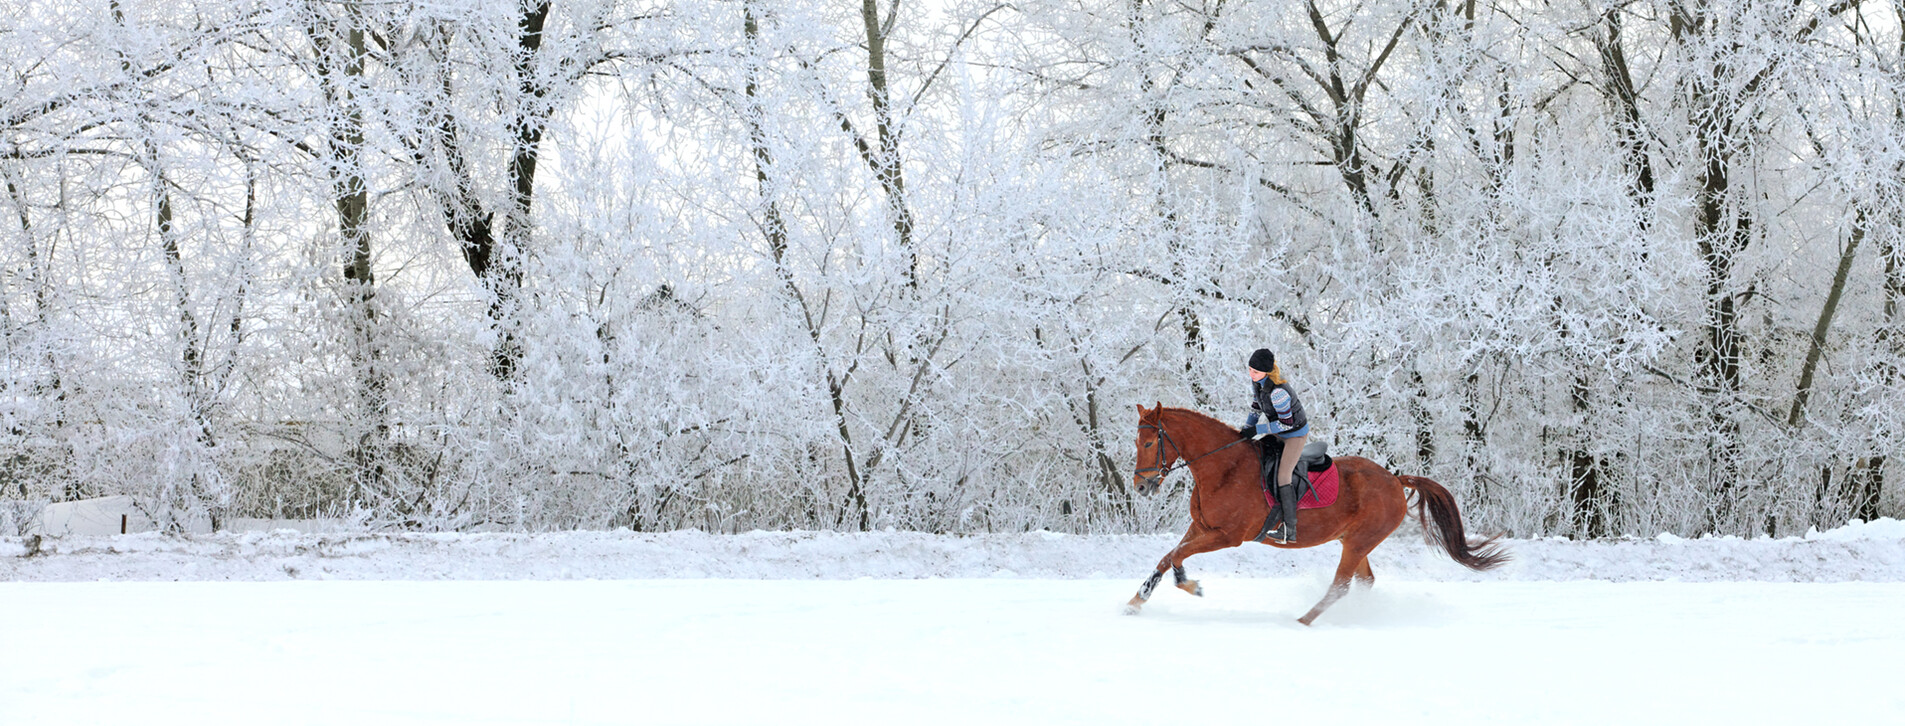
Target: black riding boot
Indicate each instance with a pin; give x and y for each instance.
(1285, 533)
(1282, 525)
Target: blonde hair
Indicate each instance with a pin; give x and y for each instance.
(1276, 374)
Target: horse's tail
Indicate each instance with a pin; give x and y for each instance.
(1479, 555)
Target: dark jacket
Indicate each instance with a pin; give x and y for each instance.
(1279, 409)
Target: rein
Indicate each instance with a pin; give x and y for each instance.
(1165, 468)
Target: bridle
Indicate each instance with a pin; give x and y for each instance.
(1164, 468)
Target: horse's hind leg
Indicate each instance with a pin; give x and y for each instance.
(1365, 576)
(1355, 564)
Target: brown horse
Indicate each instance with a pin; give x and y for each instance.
(1228, 507)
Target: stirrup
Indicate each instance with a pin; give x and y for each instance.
(1283, 534)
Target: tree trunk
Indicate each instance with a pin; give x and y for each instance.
(507, 280)
(175, 509)
(191, 342)
(775, 228)
(1155, 114)
(774, 225)
(1346, 149)
(1868, 484)
(888, 165)
(495, 256)
(1584, 473)
(342, 51)
(1424, 419)
(1869, 475)
(1346, 98)
(1628, 127)
(856, 493)
(1816, 347)
(1870, 489)
(41, 282)
(1592, 505)
(1110, 476)
(1722, 232)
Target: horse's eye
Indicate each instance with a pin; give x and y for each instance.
(1148, 444)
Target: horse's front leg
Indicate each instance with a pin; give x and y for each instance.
(1186, 584)
(1144, 592)
(1197, 540)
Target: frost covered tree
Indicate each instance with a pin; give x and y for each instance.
(1603, 267)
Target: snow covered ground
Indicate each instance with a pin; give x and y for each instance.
(815, 628)
(947, 652)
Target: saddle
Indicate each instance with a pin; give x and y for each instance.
(1315, 457)
(1315, 479)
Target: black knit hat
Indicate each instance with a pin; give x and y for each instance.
(1263, 360)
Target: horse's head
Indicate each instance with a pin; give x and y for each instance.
(1155, 452)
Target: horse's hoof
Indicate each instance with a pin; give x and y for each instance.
(1132, 609)
(1193, 588)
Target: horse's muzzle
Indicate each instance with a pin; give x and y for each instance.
(1146, 484)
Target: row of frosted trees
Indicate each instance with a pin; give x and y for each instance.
(1604, 267)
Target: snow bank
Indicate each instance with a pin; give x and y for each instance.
(1884, 528)
(1860, 552)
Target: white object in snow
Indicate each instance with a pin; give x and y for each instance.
(104, 515)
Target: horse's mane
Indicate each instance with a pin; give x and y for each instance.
(1201, 419)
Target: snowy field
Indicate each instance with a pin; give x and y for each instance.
(812, 628)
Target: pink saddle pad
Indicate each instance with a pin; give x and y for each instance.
(1322, 491)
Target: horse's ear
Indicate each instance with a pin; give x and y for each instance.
(1159, 406)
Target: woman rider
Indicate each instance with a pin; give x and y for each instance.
(1277, 416)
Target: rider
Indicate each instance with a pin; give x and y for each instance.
(1280, 436)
